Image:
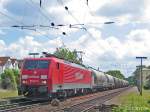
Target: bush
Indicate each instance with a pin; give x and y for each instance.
(147, 84)
(8, 79)
(0, 81)
(17, 75)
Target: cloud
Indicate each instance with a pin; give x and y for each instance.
(2, 47)
(110, 52)
(120, 8)
(146, 9)
(28, 44)
(2, 32)
(138, 42)
(100, 50)
(107, 53)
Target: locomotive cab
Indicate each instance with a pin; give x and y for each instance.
(35, 77)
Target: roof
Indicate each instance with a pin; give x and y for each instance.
(146, 69)
(13, 60)
(20, 63)
(3, 60)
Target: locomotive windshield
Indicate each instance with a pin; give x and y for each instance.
(36, 64)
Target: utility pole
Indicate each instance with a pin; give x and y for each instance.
(141, 73)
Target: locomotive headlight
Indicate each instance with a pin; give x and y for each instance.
(24, 76)
(43, 76)
(24, 82)
(44, 82)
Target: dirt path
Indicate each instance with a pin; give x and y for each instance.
(118, 99)
(48, 108)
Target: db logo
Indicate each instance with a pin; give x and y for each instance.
(79, 76)
(35, 72)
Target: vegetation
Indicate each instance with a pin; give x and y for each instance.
(131, 80)
(17, 75)
(65, 53)
(7, 93)
(146, 81)
(147, 84)
(133, 102)
(10, 79)
(116, 73)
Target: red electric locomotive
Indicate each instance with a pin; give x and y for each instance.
(50, 77)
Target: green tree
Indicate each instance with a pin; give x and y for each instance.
(131, 80)
(116, 73)
(17, 75)
(8, 79)
(65, 53)
(147, 84)
(137, 72)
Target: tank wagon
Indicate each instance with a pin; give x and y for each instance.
(50, 77)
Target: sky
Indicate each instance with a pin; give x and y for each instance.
(107, 46)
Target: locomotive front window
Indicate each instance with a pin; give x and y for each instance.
(30, 64)
(34, 64)
(43, 64)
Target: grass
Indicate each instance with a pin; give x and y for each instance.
(133, 102)
(8, 93)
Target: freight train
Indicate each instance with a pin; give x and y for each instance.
(51, 77)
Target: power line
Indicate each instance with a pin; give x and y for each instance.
(11, 18)
(20, 26)
(52, 24)
(85, 28)
(67, 9)
(39, 9)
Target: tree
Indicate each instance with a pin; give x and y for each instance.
(17, 75)
(65, 53)
(137, 74)
(147, 84)
(131, 80)
(116, 73)
(8, 79)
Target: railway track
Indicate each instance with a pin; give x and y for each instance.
(18, 105)
(81, 106)
(88, 105)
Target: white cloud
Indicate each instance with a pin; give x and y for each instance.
(2, 32)
(146, 10)
(138, 42)
(24, 46)
(99, 51)
(2, 47)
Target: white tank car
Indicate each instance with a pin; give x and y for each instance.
(111, 83)
(100, 80)
(116, 81)
(126, 83)
(104, 81)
